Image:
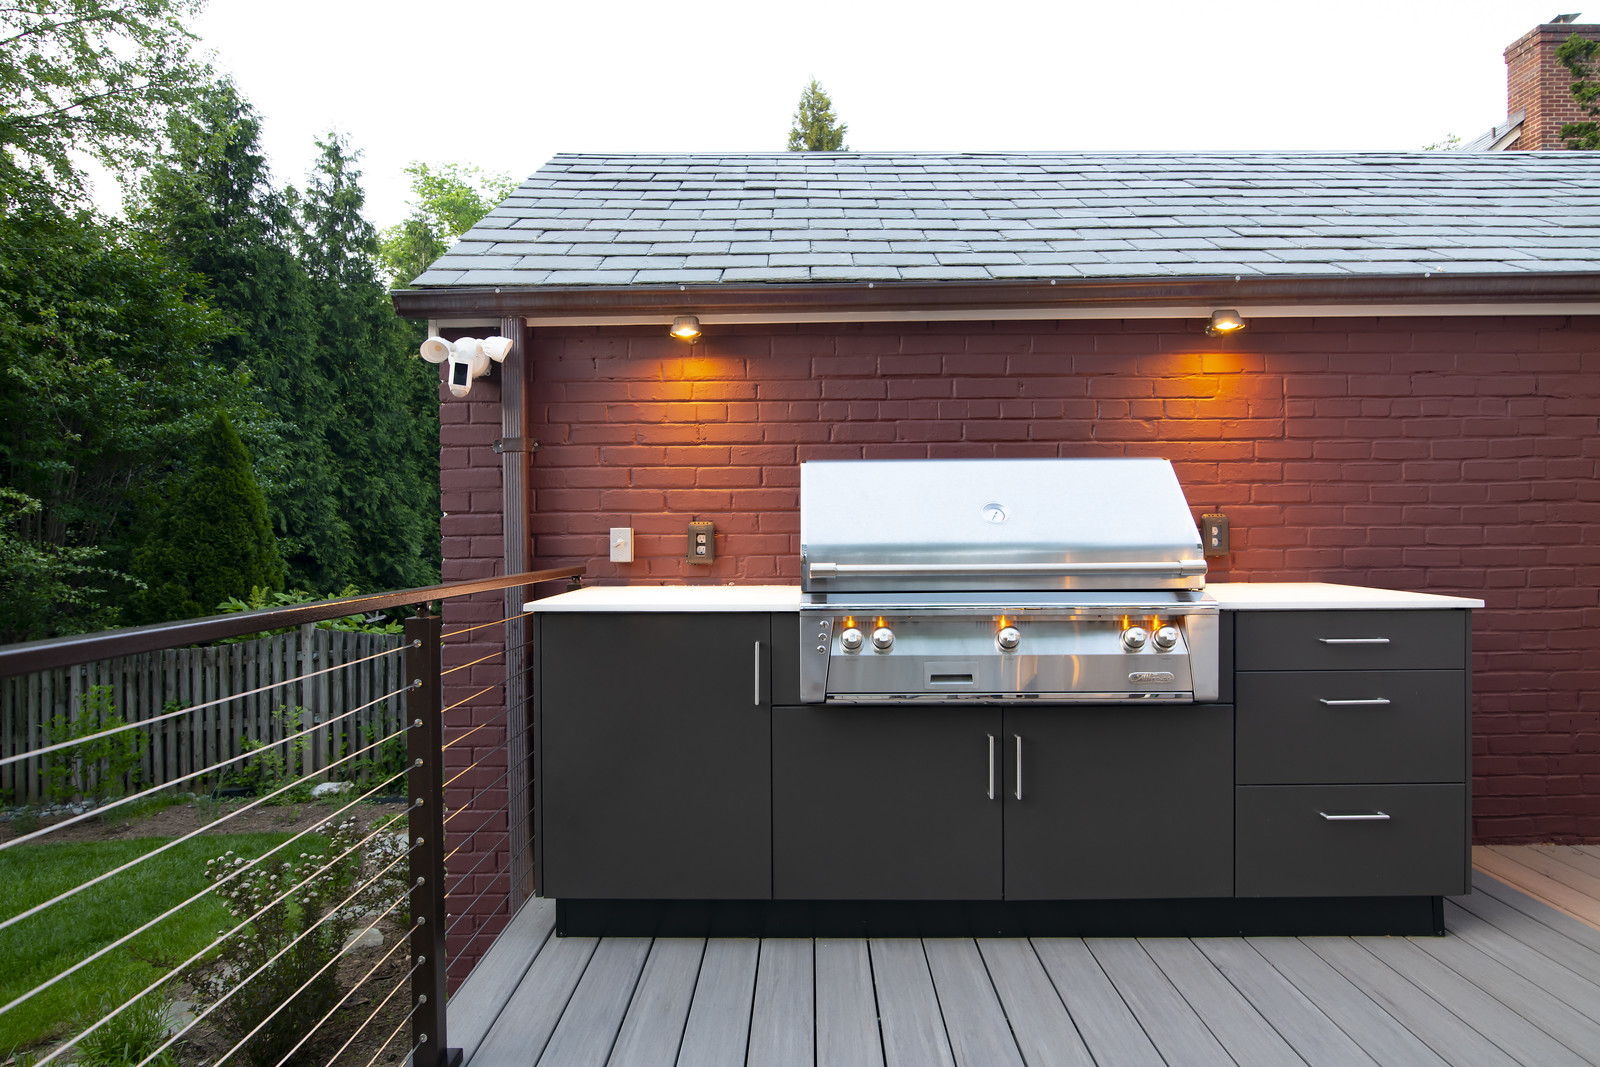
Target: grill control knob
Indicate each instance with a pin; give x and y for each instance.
(1134, 637)
(883, 639)
(1008, 638)
(1165, 639)
(850, 640)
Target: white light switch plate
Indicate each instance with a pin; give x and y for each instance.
(622, 544)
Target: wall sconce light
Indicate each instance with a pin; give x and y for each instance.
(685, 328)
(1223, 323)
(469, 358)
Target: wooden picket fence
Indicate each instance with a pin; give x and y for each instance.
(283, 666)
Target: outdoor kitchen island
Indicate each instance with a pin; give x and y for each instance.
(682, 787)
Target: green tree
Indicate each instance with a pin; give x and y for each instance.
(211, 539)
(1578, 55)
(445, 203)
(815, 128)
(212, 204)
(88, 76)
(46, 589)
(103, 377)
(384, 441)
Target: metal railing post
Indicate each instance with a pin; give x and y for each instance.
(424, 743)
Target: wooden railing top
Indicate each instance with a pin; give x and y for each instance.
(31, 656)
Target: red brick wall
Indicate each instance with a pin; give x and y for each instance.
(1454, 456)
(475, 834)
(1538, 83)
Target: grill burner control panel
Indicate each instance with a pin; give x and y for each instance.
(1008, 656)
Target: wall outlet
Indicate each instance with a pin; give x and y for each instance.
(1214, 534)
(702, 542)
(622, 544)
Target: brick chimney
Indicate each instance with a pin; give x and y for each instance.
(1537, 83)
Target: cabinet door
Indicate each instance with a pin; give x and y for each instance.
(885, 803)
(1131, 801)
(655, 756)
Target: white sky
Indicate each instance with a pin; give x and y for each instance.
(506, 84)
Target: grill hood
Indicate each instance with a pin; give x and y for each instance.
(891, 526)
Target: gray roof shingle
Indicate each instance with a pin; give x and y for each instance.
(795, 217)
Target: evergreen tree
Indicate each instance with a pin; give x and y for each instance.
(210, 539)
(815, 127)
(1578, 56)
(445, 203)
(211, 202)
(385, 444)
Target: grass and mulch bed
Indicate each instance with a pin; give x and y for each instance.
(45, 944)
(58, 937)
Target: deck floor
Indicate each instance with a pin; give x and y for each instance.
(1517, 982)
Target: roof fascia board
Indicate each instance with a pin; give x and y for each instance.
(1264, 311)
(1440, 294)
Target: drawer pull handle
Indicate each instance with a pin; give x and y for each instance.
(1019, 766)
(1352, 703)
(1365, 816)
(991, 766)
(1354, 640)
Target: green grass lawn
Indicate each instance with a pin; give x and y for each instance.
(56, 938)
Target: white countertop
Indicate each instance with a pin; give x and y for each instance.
(1232, 596)
(1321, 596)
(672, 598)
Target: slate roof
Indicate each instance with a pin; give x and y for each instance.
(1497, 138)
(660, 220)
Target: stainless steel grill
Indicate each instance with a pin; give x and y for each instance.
(1002, 581)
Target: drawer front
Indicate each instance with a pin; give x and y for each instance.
(1351, 726)
(1351, 640)
(1286, 846)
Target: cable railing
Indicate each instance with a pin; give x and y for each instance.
(269, 965)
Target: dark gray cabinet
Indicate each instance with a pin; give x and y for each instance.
(922, 803)
(1119, 802)
(885, 803)
(653, 756)
(1353, 743)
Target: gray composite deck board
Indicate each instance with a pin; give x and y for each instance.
(1516, 982)
(1547, 941)
(1232, 1020)
(908, 1007)
(1557, 920)
(1445, 1032)
(1358, 1015)
(1484, 1007)
(1043, 1028)
(1174, 1028)
(1549, 976)
(718, 1031)
(478, 1003)
(783, 1025)
(1315, 1037)
(524, 1027)
(588, 1028)
(847, 1005)
(974, 1021)
(652, 1030)
(1107, 1024)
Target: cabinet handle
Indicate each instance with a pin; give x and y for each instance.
(991, 766)
(758, 675)
(1369, 816)
(1019, 766)
(1354, 640)
(1351, 703)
